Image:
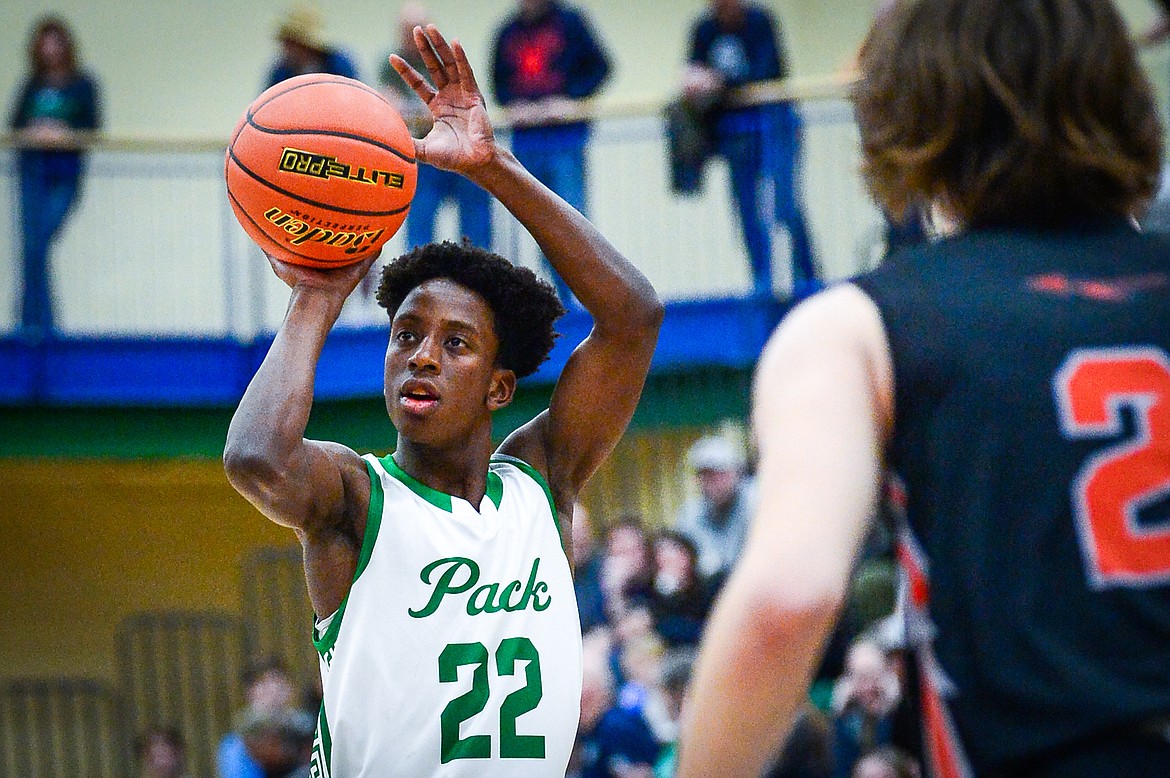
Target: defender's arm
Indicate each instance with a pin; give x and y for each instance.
(822, 404)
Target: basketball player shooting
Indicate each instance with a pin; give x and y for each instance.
(448, 630)
(1015, 374)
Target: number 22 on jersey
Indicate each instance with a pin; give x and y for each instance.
(463, 707)
(1116, 482)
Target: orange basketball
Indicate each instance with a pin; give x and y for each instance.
(320, 170)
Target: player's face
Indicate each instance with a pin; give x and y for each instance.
(442, 381)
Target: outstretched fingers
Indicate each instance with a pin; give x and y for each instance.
(435, 66)
(463, 68)
(446, 63)
(443, 52)
(412, 78)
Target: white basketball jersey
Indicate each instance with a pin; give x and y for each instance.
(458, 649)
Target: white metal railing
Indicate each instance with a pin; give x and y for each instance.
(152, 248)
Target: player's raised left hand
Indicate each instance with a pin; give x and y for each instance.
(461, 139)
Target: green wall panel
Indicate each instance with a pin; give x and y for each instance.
(670, 400)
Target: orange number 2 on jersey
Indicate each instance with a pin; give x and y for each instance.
(1115, 483)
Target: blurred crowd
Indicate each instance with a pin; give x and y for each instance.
(645, 590)
(547, 61)
(271, 735)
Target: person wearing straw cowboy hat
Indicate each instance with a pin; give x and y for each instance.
(303, 48)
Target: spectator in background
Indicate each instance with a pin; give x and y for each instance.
(303, 49)
(680, 598)
(279, 741)
(674, 680)
(587, 571)
(56, 101)
(640, 659)
(300, 728)
(717, 520)
(435, 186)
(734, 44)
(546, 56)
(161, 753)
(269, 695)
(886, 763)
(864, 702)
(612, 742)
(627, 569)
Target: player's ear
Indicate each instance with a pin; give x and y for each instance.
(502, 390)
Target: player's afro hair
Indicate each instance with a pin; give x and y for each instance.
(523, 306)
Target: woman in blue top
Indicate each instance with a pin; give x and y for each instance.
(56, 100)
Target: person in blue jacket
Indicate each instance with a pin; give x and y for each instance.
(734, 44)
(546, 56)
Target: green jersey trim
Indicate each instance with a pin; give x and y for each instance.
(495, 488)
(373, 521)
(324, 643)
(433, 496)
(441, 500)
(536, 476)
(323, 747)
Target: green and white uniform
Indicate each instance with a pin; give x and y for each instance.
(458, 649)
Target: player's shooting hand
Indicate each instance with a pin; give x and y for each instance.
(339, 280)
(461, 139)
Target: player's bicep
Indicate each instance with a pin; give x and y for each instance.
(593, 403)
(529, 444)
(316, 488)
(820, 404)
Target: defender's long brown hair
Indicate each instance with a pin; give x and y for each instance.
(1011, 112)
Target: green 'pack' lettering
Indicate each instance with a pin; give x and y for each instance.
(458, 575)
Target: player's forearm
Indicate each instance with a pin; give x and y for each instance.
(751, 681)
(270, 422)
(616, 293)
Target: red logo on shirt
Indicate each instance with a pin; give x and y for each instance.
(535, 56)
(1110, 290)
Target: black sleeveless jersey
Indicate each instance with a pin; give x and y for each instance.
(1032, 437)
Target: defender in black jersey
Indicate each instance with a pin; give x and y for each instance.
(1013, 375)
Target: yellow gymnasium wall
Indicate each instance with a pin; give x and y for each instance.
(84, 544)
